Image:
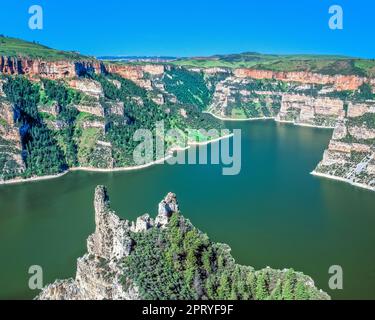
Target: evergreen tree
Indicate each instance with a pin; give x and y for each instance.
(261, 288)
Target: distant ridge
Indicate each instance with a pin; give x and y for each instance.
(138, 58)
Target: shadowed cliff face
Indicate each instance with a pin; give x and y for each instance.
(167, 258)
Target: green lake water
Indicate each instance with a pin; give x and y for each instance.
(274, 213)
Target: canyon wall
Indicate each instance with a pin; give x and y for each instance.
(69, 69)
(350, 155)
(301, 98)
(48, 69)
(340, 82)
(308, 110)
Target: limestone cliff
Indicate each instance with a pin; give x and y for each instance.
(308, 110)
(351, 152)
(48, 69)
(144, 260)
(340, 82)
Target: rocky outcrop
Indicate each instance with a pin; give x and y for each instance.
(100, 274)
(105, 272)
(302, 109)
(351, 152)
(233, 98)
(340, 82)
(48, 69)
(95, 108)
(115, 108)
(166, 208)
(87, 86)
(111, 237)
(293, 97)
(137, 73)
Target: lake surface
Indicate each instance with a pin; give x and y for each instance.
(274, 213)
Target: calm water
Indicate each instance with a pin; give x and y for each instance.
(273, 214)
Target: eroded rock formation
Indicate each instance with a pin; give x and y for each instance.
(99, 272)
(108, 271)
(340, 82)
(48, 69)
(351, 152)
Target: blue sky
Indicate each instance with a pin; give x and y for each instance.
(195, 27)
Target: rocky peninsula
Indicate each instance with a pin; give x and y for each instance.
(167, 258)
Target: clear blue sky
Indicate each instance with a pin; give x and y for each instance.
(195, 27)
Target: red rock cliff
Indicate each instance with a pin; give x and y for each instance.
(47, 69)
(340, 82)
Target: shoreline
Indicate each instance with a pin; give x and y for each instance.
(356, 184)
(233, 119)
(119, 169)
(270, 118)
(298, 124)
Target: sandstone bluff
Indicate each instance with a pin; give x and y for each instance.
(167, 258)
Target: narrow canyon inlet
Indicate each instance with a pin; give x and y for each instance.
(274, 213)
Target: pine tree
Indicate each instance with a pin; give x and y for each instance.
(301, 292)
(288, 287)
(277, 292)
(261, 288)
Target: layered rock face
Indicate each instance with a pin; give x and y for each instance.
(302, 109)
(293, 97)
(301, 98)
(351, 152)
(340, 82)
(235, 98)
(87, 86)
(137, 73)
(244, 98)
(48, 69)
(68, 69)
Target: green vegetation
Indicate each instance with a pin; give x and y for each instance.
(3, 122)
(9, 166)
(180, 262)
(65, 98)
(189, 87)
(368, 120)
(41, 154)
(11, 47)
(60, 138)
(363, 93)
(324, 64)
(141, 112)
(57, 91)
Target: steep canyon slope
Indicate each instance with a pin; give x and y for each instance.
(84, 111)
